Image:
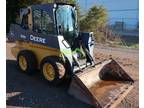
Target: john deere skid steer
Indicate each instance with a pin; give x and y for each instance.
(47, 38)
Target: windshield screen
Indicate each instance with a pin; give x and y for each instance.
(66, 21)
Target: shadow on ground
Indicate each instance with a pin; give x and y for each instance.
(32, 91)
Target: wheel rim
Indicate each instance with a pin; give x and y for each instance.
(49, 72)
(23, 63)
(61, 69)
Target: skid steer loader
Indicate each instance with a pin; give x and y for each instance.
(47, 38)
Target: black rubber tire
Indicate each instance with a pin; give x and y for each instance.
(53, 61)
(31, 61)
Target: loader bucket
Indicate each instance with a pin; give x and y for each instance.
(103, 86)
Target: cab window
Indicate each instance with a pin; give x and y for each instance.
(37, 21)
(47, 23)
(42, 22)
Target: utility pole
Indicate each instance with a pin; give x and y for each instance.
(86, 5)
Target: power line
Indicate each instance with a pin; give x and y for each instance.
(124, 10)
(123, 18)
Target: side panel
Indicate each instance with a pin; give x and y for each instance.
(42, 45)
(65, 48)
(18, 33)
(87, 39)
(39, 50)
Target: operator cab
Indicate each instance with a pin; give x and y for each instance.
(55, 19)
(52, 20)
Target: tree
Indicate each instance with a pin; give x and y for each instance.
(94, 20)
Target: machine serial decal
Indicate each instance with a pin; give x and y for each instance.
(23, 36)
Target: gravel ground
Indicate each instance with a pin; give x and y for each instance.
(32, 91)
(129, 60)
